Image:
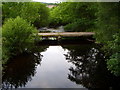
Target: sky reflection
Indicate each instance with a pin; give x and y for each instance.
(53, 71)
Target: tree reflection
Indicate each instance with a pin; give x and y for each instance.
(89, 67)
(20, 70)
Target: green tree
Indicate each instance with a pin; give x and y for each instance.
(107, 21)
(43, 19)
(108, 33)
(77, 16)
(34, 12)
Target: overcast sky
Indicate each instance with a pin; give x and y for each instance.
(48, 1)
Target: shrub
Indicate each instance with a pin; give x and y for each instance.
(114, 62)
(18, 35)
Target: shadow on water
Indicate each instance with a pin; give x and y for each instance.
(20, 70)
(89, 67)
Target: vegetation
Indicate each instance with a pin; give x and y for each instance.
(108, 21)
(114, 61)
(76, 16)
(18, 35)
(19, 19)
(103, 18)
(109, 29)
(35, 13)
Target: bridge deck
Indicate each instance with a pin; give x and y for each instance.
(66, 34)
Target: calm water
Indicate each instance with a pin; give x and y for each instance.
(66, 66)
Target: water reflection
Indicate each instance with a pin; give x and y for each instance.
(69, 66)
(89, 67)
(53, 71)
(20, 70)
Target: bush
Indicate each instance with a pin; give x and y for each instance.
(114, 62)
(18, 35)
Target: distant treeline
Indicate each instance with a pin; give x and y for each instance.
(51, 3)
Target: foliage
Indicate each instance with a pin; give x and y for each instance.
(114, 64)
(54, 18)
(18, 35)
(74, 14)
(79, 25)
(34, 12)
(43, 12)
(108, 21)
(114, 45)
(108, 33)
(114, 61)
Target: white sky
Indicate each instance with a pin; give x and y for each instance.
(55, 1)
(48, 1)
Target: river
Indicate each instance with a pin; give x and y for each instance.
(60, 66)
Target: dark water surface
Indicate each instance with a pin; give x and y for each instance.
(66, 66)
